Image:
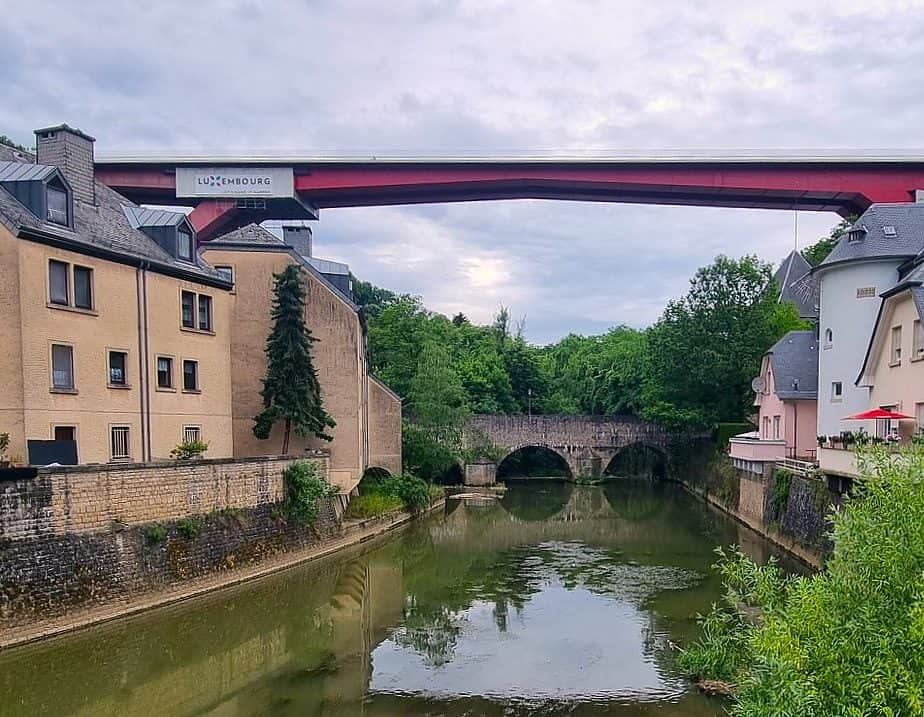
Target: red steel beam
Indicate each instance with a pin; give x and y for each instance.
(836, 185)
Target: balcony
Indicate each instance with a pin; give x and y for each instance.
(756, 449)
(838, 461)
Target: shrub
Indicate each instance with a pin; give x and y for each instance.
(305, 486)
(414, 492)
(848, 640)
(155, 533)
(189, 528)
(782, 481)
(188, 450)
(4, 446)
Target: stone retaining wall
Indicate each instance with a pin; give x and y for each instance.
(75, 539)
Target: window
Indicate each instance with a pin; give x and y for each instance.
(83, 287)
(205, 312)
(919, 415)
(829, 338)
(889, 230)
(120, 440)
(60, 274)
(65, 433)
(185, 244)
(164, 372)
(226, 273)
(895, 357)
(56, 204)
(190, 375)
(837, 391)
(188, 302)
(917, 349)
(58, 283)
(776, 428)
(766, 427)
(192, 434)
(62, 367)
(118, 362)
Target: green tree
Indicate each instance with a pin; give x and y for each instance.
(371, 299)
(291, 392)
(818, 252)
(707, 346)
(437, 399)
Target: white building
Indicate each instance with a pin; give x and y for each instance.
(864, 264)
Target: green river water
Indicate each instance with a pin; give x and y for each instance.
(558, 599)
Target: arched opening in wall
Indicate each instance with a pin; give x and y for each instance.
(533, 462)
(371, 478)
(638, 461)
(454, 475)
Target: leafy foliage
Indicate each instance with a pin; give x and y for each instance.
(188, 450)
(189, 528)
(382, 495)
(818, 252)
(846, 641)
(305, 487)
(291, 392)
(4, 445)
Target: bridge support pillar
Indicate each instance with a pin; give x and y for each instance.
(586, 466)
(481, 472)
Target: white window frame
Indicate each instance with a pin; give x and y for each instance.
(917, 340)
(837, 391)
(72, 388)
(895, 346)
(192, 433)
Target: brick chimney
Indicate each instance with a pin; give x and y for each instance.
(71, 151)
(298, 237)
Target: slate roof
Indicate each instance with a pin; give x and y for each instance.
(798, 285)
(907, 221)
(104, 229)
(794, 360)
(250, 234)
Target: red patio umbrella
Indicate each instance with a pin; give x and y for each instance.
(877, 413)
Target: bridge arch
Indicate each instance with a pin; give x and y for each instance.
(533, 460)
(639, 459)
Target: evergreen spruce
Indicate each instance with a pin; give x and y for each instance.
(291, 392)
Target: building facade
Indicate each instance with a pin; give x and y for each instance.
(864, 264)
(116, 335)
(367, 414)
(786, 393)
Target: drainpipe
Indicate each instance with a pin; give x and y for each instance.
(146, 418)
(142, 374)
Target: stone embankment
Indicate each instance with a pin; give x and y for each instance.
(86, 544)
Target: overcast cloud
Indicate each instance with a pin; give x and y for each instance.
(436, 78)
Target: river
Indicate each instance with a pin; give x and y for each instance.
(558, 599)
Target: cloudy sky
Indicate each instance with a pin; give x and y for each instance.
(425, 77)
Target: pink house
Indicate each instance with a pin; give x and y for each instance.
(787, 403)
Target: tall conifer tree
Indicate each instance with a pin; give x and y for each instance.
(291, 392)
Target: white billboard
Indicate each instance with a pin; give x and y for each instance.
(235, 182)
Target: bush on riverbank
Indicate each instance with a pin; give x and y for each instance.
(846, 641)
(381, 495)
(305, 487)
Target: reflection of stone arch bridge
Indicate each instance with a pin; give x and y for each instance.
(586, 443)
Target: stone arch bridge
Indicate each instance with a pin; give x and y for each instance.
(586, 443)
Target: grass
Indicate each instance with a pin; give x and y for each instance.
(371, 505)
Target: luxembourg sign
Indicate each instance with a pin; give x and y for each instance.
(235, 182)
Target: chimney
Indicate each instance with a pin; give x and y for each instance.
(298, 237)
(71, 151)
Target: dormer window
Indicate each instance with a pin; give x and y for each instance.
(185, 243)
(856, 234)
(56, 204)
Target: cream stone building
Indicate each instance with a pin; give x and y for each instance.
(116, 335)
(368, 414)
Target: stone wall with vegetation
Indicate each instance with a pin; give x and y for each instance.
(77, 539)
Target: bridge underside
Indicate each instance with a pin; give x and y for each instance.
(841, 186)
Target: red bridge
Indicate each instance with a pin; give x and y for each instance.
(229, 192)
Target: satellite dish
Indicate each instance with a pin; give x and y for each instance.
(758, 384)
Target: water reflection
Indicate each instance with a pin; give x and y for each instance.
(559, 599)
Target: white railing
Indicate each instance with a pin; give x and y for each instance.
(801, 468)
